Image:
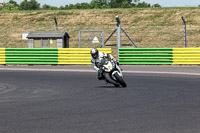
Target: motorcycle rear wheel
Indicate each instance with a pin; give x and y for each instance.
(120, 80)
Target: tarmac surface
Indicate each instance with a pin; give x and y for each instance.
(70, 99)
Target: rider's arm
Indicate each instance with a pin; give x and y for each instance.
(95, 67)
(109, 56)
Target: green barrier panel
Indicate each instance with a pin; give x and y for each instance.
(31, 56)
(31, 49)
(31, 52)
(139, 52)
(146, 63)
(31, 63)
(145, 56)
(146, 49)
(31, 60)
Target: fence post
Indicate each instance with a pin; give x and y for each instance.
(103, 45)
(56, 23)
(79, 39)
(185, 41)
(118, 35)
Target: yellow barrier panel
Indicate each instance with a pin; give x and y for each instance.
(186, 56)
(2, 56)
(77, 56)
(186, 62)
(186, 49)
(73, 55)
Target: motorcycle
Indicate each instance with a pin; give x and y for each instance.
(111, 72)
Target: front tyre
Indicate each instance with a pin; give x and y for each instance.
(120, 79)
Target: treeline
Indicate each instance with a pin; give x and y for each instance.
(94, 4)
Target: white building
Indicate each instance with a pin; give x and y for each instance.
(1, 3)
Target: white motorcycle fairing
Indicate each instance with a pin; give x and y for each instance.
(112, 73)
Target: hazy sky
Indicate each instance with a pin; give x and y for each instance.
(164, 3)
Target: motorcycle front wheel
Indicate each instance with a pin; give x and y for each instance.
(120, 79)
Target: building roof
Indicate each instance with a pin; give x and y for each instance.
(47, 34)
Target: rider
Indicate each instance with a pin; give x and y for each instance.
(96, 59)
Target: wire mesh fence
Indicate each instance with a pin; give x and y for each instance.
(91, 38)
(143, 35)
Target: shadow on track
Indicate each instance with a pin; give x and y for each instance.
(109, 87)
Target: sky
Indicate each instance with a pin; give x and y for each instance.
(163, 3)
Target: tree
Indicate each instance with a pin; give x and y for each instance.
(136, 1)
(95, 4)
(143, 5)
(114, 4)
(66, 7)
(34, 5)
(120, 3)
(54, 8)
(77, 6)
(125, 4)
(46, 7)
(62, 8)
(156, 5)
(10, 7)
(29, 5)
(24, 5)
(85, 6)
(133, 5)
(13, 2)
(71, 6)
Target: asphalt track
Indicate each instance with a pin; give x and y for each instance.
(72, 100)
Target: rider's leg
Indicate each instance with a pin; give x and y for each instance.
(100, 76)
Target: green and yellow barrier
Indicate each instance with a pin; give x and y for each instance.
(47, 55)
(169, 56)
(81, 56)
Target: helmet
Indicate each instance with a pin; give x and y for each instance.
(94, 53)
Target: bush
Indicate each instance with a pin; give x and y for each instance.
(10, 7)
(29, 5)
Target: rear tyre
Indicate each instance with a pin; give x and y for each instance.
(120, 79)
